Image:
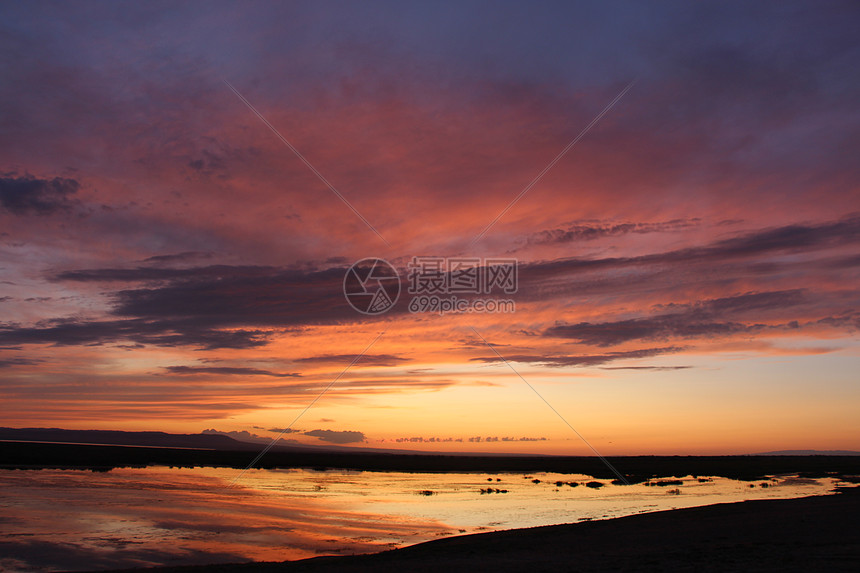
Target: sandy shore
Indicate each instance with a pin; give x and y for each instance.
(808, 534)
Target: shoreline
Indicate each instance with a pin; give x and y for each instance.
(636, 469)
(799, 534)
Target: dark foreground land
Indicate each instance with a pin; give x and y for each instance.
(32, 455)
(808, 534)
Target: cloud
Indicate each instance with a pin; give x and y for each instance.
(437, 440)
(794, 238)
(207, 307)
(283, 430)
(227, 371)
(693, 321)
(592, 231)
(224, 306)
(183, 257)
(477, 439)
(753, 301)
(171, 333)
(651, 368)
(385, 385)
(657, 328)
(178, 276)
(850, 320)
(30, 196)
(8, 362)
(337, 437)
(475, 342)
(366, 359)
(209, 163)
(237, 296)
(581, 360)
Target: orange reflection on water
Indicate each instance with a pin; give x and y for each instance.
(65, 519)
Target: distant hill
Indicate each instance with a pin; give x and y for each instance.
(119, 438)
(203, 441)
(810, 453)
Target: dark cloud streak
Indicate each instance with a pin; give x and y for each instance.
(366, 359)
(228, 371)
(697, 320)
(582, 359)
(593, 231)
(790, 238)
(161, 333)
(222, 306)
(24, 196)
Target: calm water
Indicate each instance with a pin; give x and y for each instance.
(64, 519)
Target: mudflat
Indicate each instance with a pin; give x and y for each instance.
(819, 533)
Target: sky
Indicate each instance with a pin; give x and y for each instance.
(184, 187)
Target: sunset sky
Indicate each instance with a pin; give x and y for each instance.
(688, 270)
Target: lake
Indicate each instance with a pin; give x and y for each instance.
(81, 520)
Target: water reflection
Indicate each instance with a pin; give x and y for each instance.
(63, 519)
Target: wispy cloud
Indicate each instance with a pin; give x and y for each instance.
(365, 360)
(184, 257)
(583, 359)
(228, 371)
(591, 231)
(9, 362)
(697, 320)
(169, 333)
